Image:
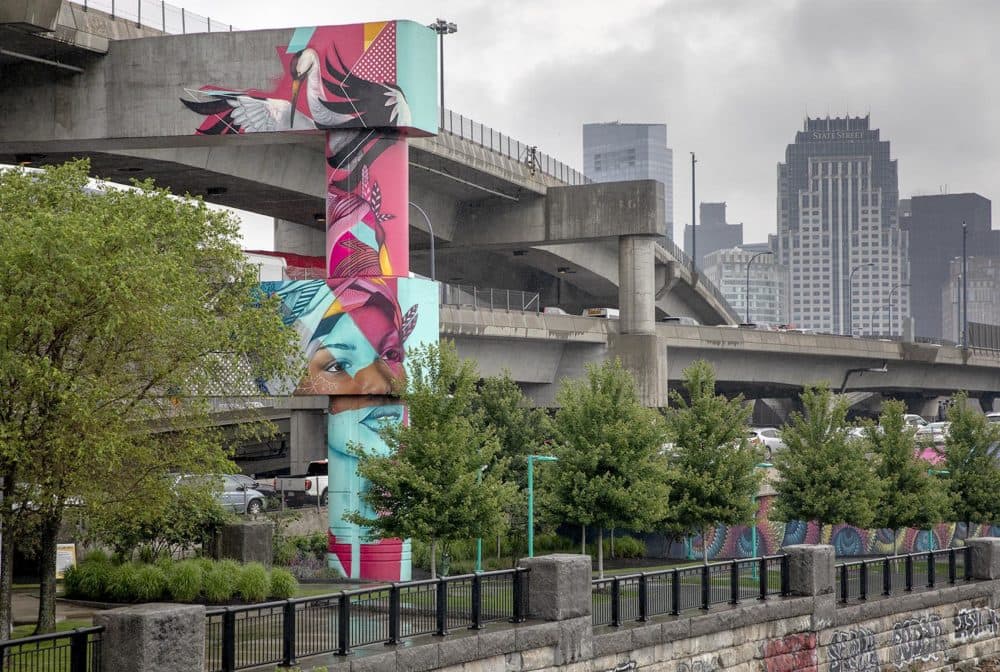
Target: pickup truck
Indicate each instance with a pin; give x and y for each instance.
(310, 487)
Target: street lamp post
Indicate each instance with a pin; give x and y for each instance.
(442, 28)
(479, 540)
(965, 290)
(430, 229)
(891, 292)
(694, 231)
(759, 254)
(531, 497)
(850, 296)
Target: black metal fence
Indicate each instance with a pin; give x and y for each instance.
(74, 651)
(893, 574)
(636, 597)
(281, 632)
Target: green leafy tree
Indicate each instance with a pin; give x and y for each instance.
(121, 312)
(714, 480)
(610, 472)
(433, 485)
(521, 430)
(825, 475)
(911, 497)
(970, 458)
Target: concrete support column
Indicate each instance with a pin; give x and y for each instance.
(985, 557)
(299, 238)
(637, 284)
(307, 438)
(812, 572)
(153, 638)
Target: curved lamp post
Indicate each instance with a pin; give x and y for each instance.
(430, 229)
(759, 254)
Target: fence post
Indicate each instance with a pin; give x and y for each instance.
(138, 14)
(786, 576)
(762, 578)
(863, 575)
(183, 23)
(643, 594)
(344, 624)
(909, 572)
(394, 615)
(952, 565)
(441, 610)
(518, 597)
(477, 603)
(930, 569)
(615, 603)
(228, 641)
(675, 593)
(887, 577)
(843, 583)
(734, 582)
(706, 594)
(163, 15)
(112, 9)
(77, 651)
(288, 634)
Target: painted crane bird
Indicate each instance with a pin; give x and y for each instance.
(353, 102)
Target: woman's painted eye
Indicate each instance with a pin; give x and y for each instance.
(337, 366)
(392, 355)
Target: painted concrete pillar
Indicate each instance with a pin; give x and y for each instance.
(366, 88)
(636, 284)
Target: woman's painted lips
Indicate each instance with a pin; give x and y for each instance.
(382, 415)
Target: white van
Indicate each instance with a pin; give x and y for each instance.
(608, 313)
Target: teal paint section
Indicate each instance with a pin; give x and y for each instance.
(416, 68)
(300, 39)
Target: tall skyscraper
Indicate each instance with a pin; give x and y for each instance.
(714, 232)
(984, 294)
(613, 152)
(767, 282)
(934, 225)
(838, 230)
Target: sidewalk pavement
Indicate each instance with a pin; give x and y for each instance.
(24, 604)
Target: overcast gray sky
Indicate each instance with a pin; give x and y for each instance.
(732, 79)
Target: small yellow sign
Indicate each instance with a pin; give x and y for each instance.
(65, 558)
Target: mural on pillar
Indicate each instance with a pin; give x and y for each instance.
(362, 76)
(367, 87)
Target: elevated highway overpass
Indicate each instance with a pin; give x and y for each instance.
(503, 214)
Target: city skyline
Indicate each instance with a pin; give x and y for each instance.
(728, 79)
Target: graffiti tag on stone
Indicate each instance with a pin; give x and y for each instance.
(916, 639)
(699, 665)
(853, 651)
(792, 652)
(627, 666)
(976, 623)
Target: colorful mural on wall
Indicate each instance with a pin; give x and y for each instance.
(367, 86)
(736, 541)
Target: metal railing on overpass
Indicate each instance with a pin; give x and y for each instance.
(494, 140)
(157, 15)
(489, 298)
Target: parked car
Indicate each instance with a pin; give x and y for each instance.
(767, 437)
(682, 319)
(607, 313)
(993, 417)
(933, 432)
(913, 420)
(310, 487)
(553, 310)
(238, 495)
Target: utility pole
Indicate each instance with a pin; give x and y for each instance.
(694, 230)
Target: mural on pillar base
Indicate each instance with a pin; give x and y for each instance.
(367, 86)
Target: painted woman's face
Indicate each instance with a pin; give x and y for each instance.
(361, 354)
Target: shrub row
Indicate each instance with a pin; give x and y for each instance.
(198, 580)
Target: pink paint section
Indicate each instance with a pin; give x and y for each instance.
(377, 200)
(380, 561)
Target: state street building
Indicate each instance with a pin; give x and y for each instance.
(838, 230)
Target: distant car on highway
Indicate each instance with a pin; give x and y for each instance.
(767, 437)
(913, 420)
(993, 417)
(607, 313)
(682, 319)
(933, 432)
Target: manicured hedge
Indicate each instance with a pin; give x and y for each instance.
(97, 578)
